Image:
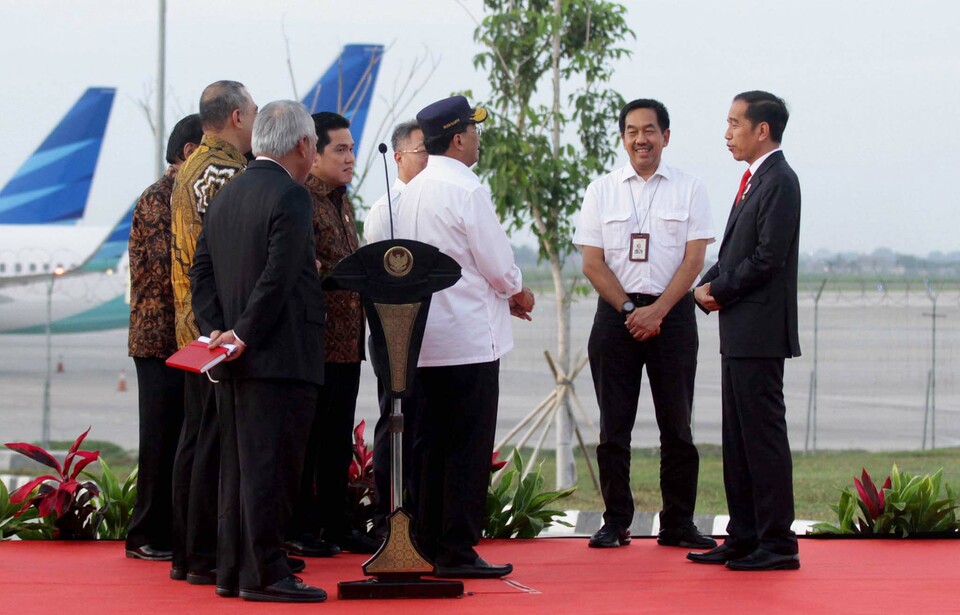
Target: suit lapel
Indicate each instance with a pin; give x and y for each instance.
(754, 185)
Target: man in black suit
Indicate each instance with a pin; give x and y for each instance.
(255, 284)
(754, 287)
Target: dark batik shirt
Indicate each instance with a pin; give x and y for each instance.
(335, 229)
(152, 333)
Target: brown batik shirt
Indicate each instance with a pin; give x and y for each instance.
(152, 333)
(335, 229)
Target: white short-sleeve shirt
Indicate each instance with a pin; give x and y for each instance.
(672, 207)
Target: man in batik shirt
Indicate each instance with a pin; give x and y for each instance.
(322, 507)
(227, 113)
(152, 339)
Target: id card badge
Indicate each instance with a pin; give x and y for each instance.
(639, 242)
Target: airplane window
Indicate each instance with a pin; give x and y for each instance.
(3, 267)
(18, 268)
(33, 267)
(46, 267)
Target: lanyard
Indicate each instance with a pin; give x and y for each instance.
(649, 205)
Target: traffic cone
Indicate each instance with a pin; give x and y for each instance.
(60, 365)
(122, 383)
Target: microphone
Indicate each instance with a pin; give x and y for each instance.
(386, 175)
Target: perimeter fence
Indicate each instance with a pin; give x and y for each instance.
(879, 368)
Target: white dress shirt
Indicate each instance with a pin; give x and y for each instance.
(756, 166)
(446, 206)
(672, 206)
(377, 225)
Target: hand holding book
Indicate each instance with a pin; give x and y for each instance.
(227, 339)
(202, 354)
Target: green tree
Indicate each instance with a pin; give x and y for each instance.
(543, 146)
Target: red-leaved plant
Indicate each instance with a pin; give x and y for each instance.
(871, 497)
(360, 482)
(495, 464)
(63, 496)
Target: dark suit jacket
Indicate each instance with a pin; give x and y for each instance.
(755, 277)
(254, 272)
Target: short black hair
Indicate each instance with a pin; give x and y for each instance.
(439, 144)
(765, 107)
(663, 118)
(324, 122)
(187, 130)
(402, 132)
(218, 101)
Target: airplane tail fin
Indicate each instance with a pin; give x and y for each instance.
(347, 86)
(54, 183)
(111, 252)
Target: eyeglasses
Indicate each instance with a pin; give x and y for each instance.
(411, 151)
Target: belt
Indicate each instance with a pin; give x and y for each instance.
(640, 299)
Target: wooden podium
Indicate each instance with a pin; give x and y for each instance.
(396, 279)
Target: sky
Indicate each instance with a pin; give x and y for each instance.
(871, 86)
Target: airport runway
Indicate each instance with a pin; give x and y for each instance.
(873, 363)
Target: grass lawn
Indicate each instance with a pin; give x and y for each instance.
(817, 477)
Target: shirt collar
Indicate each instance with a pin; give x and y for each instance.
(321, 187)
(628, 172)
(215, 142)
(759, 161)
(276, 163)
(447, 162)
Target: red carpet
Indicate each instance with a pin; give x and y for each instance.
(551, 576)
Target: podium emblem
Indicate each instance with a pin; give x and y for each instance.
(398, 261)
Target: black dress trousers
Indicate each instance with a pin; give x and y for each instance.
(161, 419)
(322, 501)
(196, 471)
(757, 466)
(264, 428)
(453, 446)
(617, 361)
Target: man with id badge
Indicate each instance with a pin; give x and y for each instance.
(644, 230)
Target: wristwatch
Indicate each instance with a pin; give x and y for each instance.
(627, 308)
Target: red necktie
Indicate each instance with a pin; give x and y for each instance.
(743, 185)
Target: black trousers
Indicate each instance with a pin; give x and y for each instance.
(453, 446)
(617, 361)
(196, 469)
(263, 430)
(161, 420)
(757, 466)
(322, 500)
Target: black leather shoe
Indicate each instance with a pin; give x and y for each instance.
(178, 574)
(202, 577)
(720, 555)
(296, 565)
(688, 537)
(313, 547)
(149, 553)
(479, 569)
(355, 542)
(761, 559)
(610, 536)
(289, 589)
(228, 592)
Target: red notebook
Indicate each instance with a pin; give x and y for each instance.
(196, 357)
